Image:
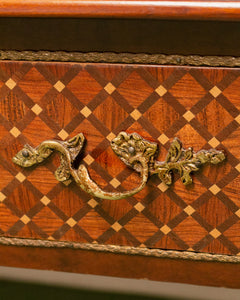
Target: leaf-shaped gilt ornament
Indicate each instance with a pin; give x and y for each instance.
(188, 154)
(175, 151)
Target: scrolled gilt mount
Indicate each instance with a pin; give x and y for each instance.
(132, 149)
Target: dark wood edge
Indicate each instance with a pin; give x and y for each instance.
(198, 10)
(121, 265)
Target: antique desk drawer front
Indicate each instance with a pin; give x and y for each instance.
(200, 106)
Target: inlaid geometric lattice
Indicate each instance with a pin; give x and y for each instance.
(201, 106)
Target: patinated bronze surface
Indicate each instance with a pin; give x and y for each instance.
(132, 149)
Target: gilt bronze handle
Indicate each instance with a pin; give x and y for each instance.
(132, 149)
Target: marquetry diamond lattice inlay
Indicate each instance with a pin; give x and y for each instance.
(215, 91)
(93, 203)
(25, 219)
(139, 207)
(20, 177)
(161, 90)
(10, 83)
(165, 229)
(36, 109)
(2, 197)
(136, 114)
(237, 167)
(86, 112)
(109, 88)
(189, 210)
(163, 139)
(63, 134)
(238, 119)
(15, 132)
(59, 86)
(111, 136)
(116, 226)
(163, 187)
(45, 200)
(214, 189)
(238, 212)
(214, 142)
(57, 101)
(188, 116)
(215, 233)
(88, 159)
(115, 183)
(71, 222)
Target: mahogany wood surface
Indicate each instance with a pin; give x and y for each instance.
(119, 265)
(209, 10)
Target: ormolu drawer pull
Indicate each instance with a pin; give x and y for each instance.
(132, 149)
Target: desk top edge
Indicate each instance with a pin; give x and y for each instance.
(155, 9)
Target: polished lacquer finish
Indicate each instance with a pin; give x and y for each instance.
(190, 9)
(45, 101)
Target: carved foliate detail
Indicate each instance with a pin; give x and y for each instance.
(132, 149)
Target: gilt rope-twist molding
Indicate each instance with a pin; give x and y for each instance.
(132, 149)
